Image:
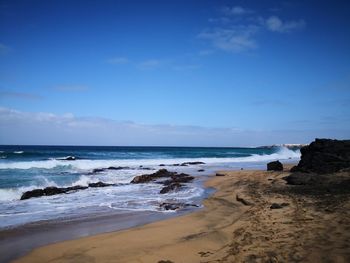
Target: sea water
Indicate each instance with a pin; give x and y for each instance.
(24, 168)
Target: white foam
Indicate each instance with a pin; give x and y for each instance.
(85, 165)
(9, 194)
(18, 152)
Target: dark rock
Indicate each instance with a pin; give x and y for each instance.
(145, 178)
(218, 174)
(324, 156)
(275, 166)
(179, 178)
(99, 184)
(117, 168)
(191, 163)
(170, 188)
(54, 190)
(162, 164)
(278, 206)
(169, 206)
(76, 188)
(98, 170)
(200, 170)
(68, 158)
(32, 193)
(176, 206)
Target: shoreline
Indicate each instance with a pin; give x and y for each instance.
(16, 242)
(237, 224)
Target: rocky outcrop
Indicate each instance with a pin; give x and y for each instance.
(275, 166)
(173, 180)
(53, 190)
(324, 156)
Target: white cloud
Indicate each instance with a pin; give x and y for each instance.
(18, 127)
(118, 60)
(236, 33)
(236, 10)
(234, 39)
(275, 24)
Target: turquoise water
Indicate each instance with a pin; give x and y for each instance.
(24, 168)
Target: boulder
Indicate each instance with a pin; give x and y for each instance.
(145, 178)
(179, 178)
(324, 156)
(32, 193)
(170, 188)
(275, 166)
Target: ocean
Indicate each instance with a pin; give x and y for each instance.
(24, 168)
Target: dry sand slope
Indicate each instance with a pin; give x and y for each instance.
(237, 225)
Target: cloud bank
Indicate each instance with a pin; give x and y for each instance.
(40, 128)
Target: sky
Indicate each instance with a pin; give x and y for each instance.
(174, 73)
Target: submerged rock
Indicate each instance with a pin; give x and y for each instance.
(324, 156)
(176, 206)
(53, 190)
(191, 163)
(100, 184)
(170, 188)
(275, 166)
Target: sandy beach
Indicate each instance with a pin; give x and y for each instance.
(238, 224)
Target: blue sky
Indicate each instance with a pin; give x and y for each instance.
(202, 73)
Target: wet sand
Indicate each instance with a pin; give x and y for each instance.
(21, 240)
(236, 225)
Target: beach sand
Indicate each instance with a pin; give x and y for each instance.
(236, 225)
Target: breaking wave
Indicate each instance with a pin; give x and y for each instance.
(282, 154)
